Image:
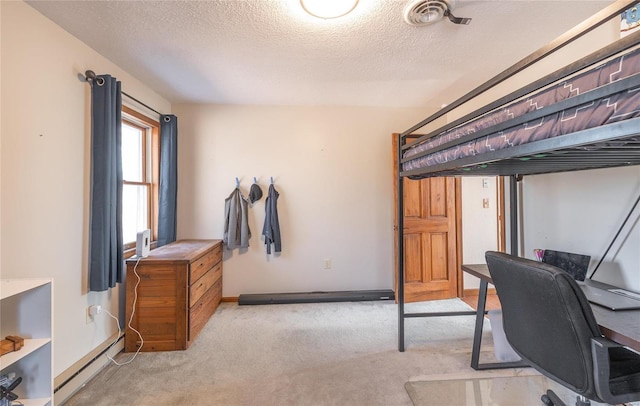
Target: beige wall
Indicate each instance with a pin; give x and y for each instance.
(333, 169)
(44, 169)
(581, 212)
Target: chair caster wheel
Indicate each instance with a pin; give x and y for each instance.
(546, 400)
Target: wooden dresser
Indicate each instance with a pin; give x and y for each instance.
(180, 288)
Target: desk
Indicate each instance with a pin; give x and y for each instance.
(621, 326)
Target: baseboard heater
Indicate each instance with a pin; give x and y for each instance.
(316, 297)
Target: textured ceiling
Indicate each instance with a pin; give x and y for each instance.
(271, 52)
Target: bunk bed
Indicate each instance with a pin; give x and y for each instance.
(585, 115)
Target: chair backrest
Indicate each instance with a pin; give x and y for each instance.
(547, 319)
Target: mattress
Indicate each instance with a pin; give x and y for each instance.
(620, 103)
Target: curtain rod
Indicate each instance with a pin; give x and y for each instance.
(90, 76)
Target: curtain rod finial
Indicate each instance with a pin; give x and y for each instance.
(89, 75)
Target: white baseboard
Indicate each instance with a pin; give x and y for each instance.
(75, 377)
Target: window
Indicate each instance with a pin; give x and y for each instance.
(140, 173)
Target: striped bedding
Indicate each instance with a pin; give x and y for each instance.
(616, 107)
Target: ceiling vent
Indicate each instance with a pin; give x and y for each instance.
(425, 12)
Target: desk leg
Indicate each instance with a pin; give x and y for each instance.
(477, 335)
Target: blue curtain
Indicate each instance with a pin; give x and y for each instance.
(105, 234)
(168, 190)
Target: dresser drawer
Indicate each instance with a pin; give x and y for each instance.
(201, 265)
(202, 285)
(204, 308)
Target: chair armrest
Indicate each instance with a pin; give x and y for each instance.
(600, 347)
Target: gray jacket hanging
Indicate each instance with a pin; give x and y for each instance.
(271, 229)
(236, 224)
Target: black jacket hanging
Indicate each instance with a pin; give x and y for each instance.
(271, 229)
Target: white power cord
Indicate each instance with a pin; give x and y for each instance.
(133, 310)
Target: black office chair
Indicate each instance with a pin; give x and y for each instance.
(550, 324)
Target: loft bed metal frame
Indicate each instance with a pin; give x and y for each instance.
(599, 147)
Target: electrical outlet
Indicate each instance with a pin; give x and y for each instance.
(92, 311)
(327, 263)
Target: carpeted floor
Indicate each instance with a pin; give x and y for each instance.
(299, 354)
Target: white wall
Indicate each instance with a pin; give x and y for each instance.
(581, 212)
(479, 224)
(44, 169)
(333, 169)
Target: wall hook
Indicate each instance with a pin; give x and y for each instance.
(237, 182)
(272, 180)
(255, 180)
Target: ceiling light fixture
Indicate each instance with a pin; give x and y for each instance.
(328, 8)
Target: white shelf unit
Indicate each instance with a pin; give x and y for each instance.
(26, 310)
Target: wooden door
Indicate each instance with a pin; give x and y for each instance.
(431, 243)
